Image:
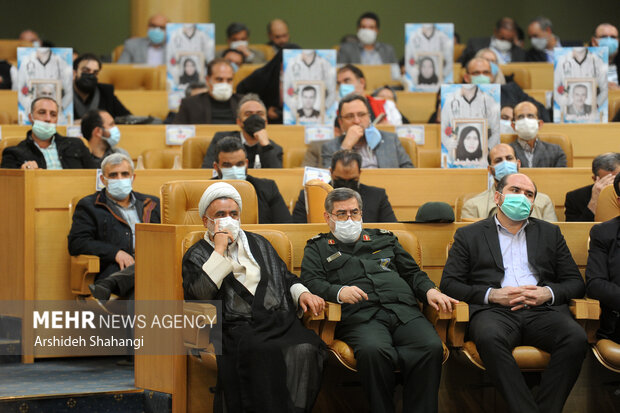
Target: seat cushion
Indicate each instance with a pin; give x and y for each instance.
(608, 353)
(528, 358)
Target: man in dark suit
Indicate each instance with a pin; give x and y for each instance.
(43, 147)
(88, 93)
(518, 277)
(540, 31)
(218, 105)
(345, 172)
(261, 151)
(502, 42)
(530, 150)
(602, 275)
(581, 203)
(378, 284)
(232, 163)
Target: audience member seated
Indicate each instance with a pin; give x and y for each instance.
(270, 362)
(606, 35)
(148, 50)
(104, 225)
(278, 34)
(43, 147)
(345, 172)
(218, 105)
(350, 79)
(8, 75)
(518, 277)
(31, 36)
(238, 37)
(102, 134)
(379, 285)
(497, 76)
(502, 162)
(261, 151)
(378, 149)
(367, 50)
(602, 275)
(502, 42)
(506, 115)
(581, 203)
(388, 93)
(232, 163)
(540, 32)
(530, 150)
(88, 93)
(235, 57)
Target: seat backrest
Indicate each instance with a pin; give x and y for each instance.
(607, 206)
(410, 243)
(614, 106)
(6, 142)
(521, 75)
(428, 158)
(8, 48)
(179, 201)
(411, 148)
(124, 76)
(117, 52)
(293, 157)
(160, 158)
(193, 152)
(416, 106)
(460, 201)
(278, 240)
(458, 50)
(556, 138)
(244, 71)
(316, 192)
(376, 75)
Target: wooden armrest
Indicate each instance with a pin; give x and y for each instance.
(439, 319)
(324, 325)
(205, 315)
(457, 326)
(587, 312)
(84, 268)
(579, 308)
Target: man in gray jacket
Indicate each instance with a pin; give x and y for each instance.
(368, 51)
(150, 49)
(378, 149)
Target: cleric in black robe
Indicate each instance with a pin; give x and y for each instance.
(270, 362)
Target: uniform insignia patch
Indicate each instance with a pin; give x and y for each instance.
(385, 231)
(365, 237)
(384, 263)
(334, 256)
(331, 242)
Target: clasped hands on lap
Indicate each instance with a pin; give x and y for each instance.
(520, 297)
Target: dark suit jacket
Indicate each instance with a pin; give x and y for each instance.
(197, 109)
(576, 205)
(546, 155)
(602, 275)
(476, 43)
(72, 153)
(107, 101)
(511, 94)
(376, 206)
(535, 55)
(270, 155)
(271, 207)
(475, 263)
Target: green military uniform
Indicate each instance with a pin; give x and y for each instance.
(388, 331)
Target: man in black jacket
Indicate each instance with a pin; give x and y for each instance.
(345, 172)
(581, 203)
(252, 119)
(43, 147)
(502, 42)
(232, 163)
(104, 225)
(88, 93)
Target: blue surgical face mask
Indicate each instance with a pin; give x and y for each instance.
(234, 172)
(494, 68)
(504, 168)
(235, 66)
(114, 138)
(43, 130)
(516, 206)
(480, 80)
(373, 136)
(610, 43)
(156, 35)
(119, 189)
(345, 89)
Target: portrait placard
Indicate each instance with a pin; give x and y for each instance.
(580, 93)
(470, 124)
(311, 172)
(45, 72)
(304, 68)
(429, 55)
(310, 102)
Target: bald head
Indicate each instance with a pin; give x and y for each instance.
(158, 20)
(477, 67)
(277, 30)
(501, 152)
(29, 36)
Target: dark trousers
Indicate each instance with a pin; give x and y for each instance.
(383, 345)
(497, 330)
(120, 282)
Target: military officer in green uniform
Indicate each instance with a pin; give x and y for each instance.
(378, 284)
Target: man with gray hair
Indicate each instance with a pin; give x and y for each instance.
(270, 362)
(581, 203)
(262, 152)
(544, 40)
(104, 225)
(379, 286)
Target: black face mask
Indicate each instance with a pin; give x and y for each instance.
(253, 124)
(86, 82)
(353, 184)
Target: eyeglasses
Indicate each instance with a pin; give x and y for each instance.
(351, 116)
(355, 215)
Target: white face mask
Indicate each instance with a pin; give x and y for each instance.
(526, 128)
(503, 46)
(348, 231)
(225, 224)
(539, 43)
(367, 36)
(222, 91)
(237, 43)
